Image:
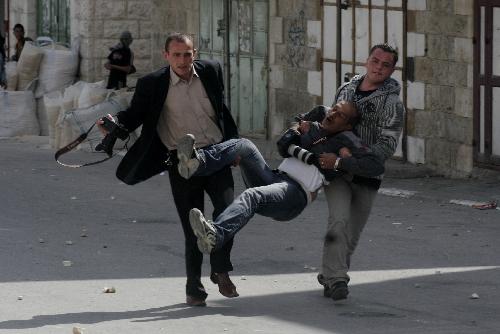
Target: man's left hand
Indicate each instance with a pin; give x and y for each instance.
(304, 126)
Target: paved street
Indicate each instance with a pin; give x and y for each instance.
(424, 264)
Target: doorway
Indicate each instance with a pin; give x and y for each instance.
(235, 32)
(54, 20)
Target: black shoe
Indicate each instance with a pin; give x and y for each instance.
(226, 286)
(195, 301)
(195, 292)
(327, 292)
(338, 291)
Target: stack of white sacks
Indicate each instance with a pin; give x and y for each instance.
(40, 70)
(73, 111)
(17, 103)
(42, 99)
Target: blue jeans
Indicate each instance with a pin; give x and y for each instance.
(270, 193)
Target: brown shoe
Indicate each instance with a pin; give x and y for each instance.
(195, 301)
(226, 287)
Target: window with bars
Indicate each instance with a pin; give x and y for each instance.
(54, 20)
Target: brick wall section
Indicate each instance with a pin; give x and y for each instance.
(441, 128)
(294, 58)
(98, 24)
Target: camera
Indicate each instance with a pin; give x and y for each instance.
(291, 136)
(115, 131)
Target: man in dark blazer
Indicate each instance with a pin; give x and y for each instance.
(185, 97)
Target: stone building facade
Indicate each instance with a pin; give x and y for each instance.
(98, 24)
(294, 60)
(439, 108)
(438, 73)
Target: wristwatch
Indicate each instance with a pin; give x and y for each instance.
(336, 166)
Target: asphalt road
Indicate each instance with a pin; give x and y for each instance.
(423, 265)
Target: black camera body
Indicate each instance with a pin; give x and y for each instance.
(115, 131)
(291, 136)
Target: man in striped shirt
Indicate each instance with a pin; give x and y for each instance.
(350, 198)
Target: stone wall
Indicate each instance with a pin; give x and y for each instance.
(98, 24)
(294, 60)
(440, 96)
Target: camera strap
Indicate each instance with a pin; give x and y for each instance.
(74, 144)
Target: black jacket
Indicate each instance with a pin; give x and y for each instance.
(148, 156)
(364, 164)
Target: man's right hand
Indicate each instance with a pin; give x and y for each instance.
(304, 126)
(344, 152)
(100, 123)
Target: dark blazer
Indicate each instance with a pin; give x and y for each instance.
(148, 156)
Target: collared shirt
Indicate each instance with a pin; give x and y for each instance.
(187, 109)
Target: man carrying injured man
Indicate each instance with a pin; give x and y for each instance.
(283, 193)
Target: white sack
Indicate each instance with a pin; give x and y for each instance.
(28, 66)
(57, 69)
(64, 133)
(18, 114)
(11, 75)
(82, 119)
(71, 96)
(52, 102)
(92, 94)
(41, 116)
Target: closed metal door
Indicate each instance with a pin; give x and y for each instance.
(350, 29)
(241, 46)
(486, 86)
(54, 20)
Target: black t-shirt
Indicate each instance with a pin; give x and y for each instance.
(121, 57)
(360, 94)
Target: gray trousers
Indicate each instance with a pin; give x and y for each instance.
(349, 206)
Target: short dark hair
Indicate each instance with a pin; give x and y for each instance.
(18, 25)
(178, 37)
(386, 48)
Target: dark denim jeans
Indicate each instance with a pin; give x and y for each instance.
(270, 194)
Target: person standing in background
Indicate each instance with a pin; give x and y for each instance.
(21, 40)
(120, 62)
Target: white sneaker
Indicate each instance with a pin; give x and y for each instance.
(204, 231)
(188, 156)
